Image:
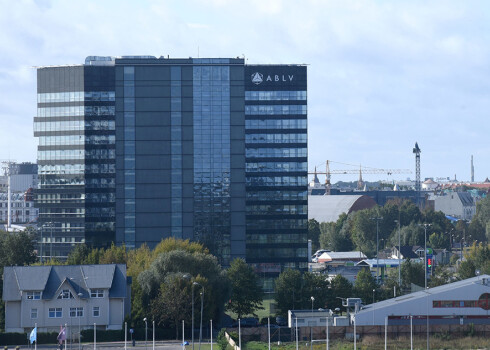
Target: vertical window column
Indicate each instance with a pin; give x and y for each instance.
(129, 159)
(176, 150)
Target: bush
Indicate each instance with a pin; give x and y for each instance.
(221, 339)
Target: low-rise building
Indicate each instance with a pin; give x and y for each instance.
(462, 302)
(76, 296)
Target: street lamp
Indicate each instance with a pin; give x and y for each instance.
(79, 315)
(146, 332)
(200, 325)
(311, 327)
(425, 252)
(377, 246)
(374, 306)
(399, 254)
(192, 288)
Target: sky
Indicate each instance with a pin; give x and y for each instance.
(382, 75)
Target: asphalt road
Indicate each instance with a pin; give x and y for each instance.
(166, 345)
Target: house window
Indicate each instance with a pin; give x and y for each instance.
(65, 294)
(33, 295)
(76, 312)
(97, 293)
(96, 311)
(33, 313)
(55, 312)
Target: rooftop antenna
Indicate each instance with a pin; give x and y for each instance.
(416, 151)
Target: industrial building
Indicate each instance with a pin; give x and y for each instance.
(136, 149)
(462, 302)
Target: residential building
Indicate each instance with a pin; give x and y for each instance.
(78, 296)
(456, 204)
(137, 149)
(21, 207)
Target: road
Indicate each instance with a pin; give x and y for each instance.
(140, 345)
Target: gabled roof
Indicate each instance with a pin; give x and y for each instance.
(49, 279)
(331, 256)
(407, 252)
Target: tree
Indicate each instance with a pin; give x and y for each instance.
(172, 304)
(78, 256)
(316, 286)
(480, 224)
(364, 285)
(412, 272)
(288, 290)
(439, 241)
(336, 235)
(114, 255)
(198, 267)
(314, 233)
(441, 276)
(341, 288)
(15, 249)
(246, 293)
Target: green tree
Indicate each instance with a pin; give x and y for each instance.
(364, 285)
(198, 267)
(439, 241)
(172, 305)
(78, 256)
(314, 233)
(15, 249)
(335, 236)
(246, 292)
(288, 291)
(114, 255)
(316, 286)
(480, 224)
(340, 288)
(363, 231)
(442, 275)
(412, 272)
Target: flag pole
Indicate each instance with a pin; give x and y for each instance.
(65, 335)
(35, 344)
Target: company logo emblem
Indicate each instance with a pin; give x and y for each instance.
(257, 78)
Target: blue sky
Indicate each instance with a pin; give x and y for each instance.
(381, 76)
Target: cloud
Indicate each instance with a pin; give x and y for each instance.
(381, 74)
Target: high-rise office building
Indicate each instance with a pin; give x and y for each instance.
(137, 149)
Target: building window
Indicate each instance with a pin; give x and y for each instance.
(55, 312)
(76, 312)
(96, 311)
(97, 293)
(65, 294)
(33, 313)
(33, 295)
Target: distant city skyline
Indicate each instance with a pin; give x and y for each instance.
(382, 75)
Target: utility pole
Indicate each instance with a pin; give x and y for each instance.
(377, 246)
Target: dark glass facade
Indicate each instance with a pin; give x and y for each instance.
(137, 149)
(276, 169)
(75, 128)
(180, 152)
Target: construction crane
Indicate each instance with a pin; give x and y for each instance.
(360, 171)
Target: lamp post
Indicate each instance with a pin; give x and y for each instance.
(79, 315)
(192, 302)
(146, 332)
(377, 246)
(374, 307)
(311, 327)
(399, 254)
(425, 252)
(200, 325)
